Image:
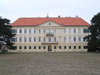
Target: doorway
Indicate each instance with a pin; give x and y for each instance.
(49, 48)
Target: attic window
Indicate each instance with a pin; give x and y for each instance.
(49, 23)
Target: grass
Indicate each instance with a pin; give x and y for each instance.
(49, 63)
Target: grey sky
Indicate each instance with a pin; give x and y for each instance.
(14, 9)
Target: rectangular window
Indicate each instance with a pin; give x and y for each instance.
(30, 31)
(64, 30)
(79, 47)
(20, 39)
(59, 30)
(14, 31)
(59, 39)
(43, 31)
(29, 47)
(79, 30)
(64, 47)
(74, 30)
(43, 39)
(34, 47)
(20, 31)
(25, 31)
(49, 40)
(54, 47)
(69, 39)
(29, 39)
(34, 39)
(39, 39)
(24, 39)
(14, 39)
(74, 39)
(34, 31)
(20, 47)
(24, 47)
(59, 47)
(54, 39)
(64, 39)
(74, 47)
(39, 31)
(69, 47)
(15, 47)
(39, 47)
(85, 47)
(69, 30)
(79, 39)
(54, 30)
(44, 47)
(85, 31)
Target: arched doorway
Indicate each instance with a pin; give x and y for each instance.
(49, 48)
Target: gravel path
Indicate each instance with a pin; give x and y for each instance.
(50, 63)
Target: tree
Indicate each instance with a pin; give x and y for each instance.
(6, 34)
(94, 38)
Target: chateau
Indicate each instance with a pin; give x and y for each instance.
(50, 34)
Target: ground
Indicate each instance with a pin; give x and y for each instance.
(50, 63)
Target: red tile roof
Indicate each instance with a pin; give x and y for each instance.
(61, 21)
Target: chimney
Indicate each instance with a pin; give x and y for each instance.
(59, 16)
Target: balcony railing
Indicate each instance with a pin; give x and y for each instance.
(52, 42)
(49, 34)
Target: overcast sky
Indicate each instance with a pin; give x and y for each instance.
(14, 9)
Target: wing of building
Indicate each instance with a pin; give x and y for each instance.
(50, 34)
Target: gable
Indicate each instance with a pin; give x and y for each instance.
(49, 23)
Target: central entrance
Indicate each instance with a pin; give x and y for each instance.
(49, 48)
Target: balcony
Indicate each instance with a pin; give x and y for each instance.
(53, 42)
(49, 34)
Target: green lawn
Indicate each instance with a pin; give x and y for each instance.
(50, 63)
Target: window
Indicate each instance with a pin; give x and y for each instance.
(14, 31)
(59, 47)
(43, 39)
(15, 47)
(49, 30)
(79, 39)
(24, 47)
(74, 47)
(74, 39)
(69, 39)
(85, 30)
(85, 47)
(69, 30)
(14, 39)
(59, 30)
(43, 31)
(69, 47)
(30, 31)
(20, 31)
(64, 47)
(54, 30)
(34, 39)
(79, 47)
(59, 38)
(39, 31)
(74, 30)
(79, 30)
(24, 39)
(54, 47)
(29, 47)
(44, 47)
(49, 39)
(54, 39)
(34, 47)
(29, 39)
(25, 31)
(64, 30)
(49, 23)
(20, 39)
(34, 31)
(39, 39)
(64, 39)
(20, 47)
(39, 47)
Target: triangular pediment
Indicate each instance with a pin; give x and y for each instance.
(50, 23)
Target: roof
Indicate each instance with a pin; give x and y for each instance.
(62, 21)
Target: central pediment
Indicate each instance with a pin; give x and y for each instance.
(50, 23)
